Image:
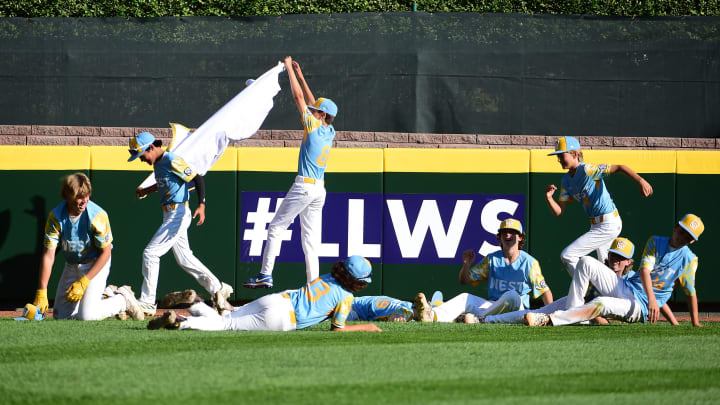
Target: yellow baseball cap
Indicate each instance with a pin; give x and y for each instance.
(693, 224)
(511, 223)
(623, 247)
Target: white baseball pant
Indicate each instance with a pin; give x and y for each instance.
(172, 234)
(519, 316)
(306, 200)
(598, 238)
(271, 312)
(480, 307)
(616, 298)
(92, 306)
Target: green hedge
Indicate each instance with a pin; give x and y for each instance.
(160, 8)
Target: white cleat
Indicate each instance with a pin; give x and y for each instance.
(132, 305)
(422, 311)
(537, 319)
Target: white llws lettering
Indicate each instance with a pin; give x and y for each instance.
(491, 223)
(410, 242)
(261, 218)
(356, 231)
(326, 249)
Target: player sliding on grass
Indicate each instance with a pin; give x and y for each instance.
(306, 197)
(584, 183)
(639, 298)
(511, 274)
(82, 229)
(329, 296)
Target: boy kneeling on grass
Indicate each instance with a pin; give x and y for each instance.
(329, 296)
(639, 298)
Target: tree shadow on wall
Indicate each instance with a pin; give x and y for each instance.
(18, 274)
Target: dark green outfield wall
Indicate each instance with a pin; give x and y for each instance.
(35, 191)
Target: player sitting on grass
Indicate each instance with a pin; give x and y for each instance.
(82, 229)
(511, 274)
(619, 261)
(329, 296)
(639, 298)
(584, 183)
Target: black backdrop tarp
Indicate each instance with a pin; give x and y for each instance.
(400, 72)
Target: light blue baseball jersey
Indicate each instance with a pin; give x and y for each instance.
(81, 240)
(172, 175)
(380, 308)
(666, 265)
(315, 148)
(321, 299)
(523, 276)
(588, 188)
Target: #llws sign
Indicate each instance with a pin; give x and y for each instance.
(392, 228)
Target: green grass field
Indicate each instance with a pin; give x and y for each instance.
(57, 362)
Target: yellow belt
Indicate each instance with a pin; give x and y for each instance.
(308, 180)
(603, 218)
(172, 206)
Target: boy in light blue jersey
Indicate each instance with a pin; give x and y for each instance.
(511, 273)
(639, 297)
(172, 176)
(306, 197)
(584, 183)
(82, 230)
(329, 296)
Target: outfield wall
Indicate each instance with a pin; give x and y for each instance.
(412, 222)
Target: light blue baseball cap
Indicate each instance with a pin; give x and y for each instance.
(139, 144)
(565, 144)
(359, 267)
(325, 105)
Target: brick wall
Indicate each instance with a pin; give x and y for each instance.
(69, 135)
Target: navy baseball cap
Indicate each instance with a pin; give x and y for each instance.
(139, 144)
(325, 105)
(359, 267)
(565, 144)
